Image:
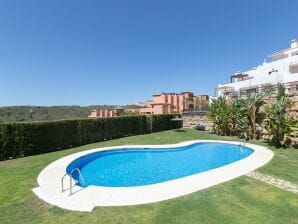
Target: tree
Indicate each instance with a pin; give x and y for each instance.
(230, 116)
(239, 116)
(253, 103)
(220, 112)
(279, 122)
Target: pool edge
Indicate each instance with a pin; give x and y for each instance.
(85, 199)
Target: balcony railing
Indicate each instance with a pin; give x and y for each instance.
(291, 89)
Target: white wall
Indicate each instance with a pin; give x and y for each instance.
(261, 74)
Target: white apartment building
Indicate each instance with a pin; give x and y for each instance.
(282, 69)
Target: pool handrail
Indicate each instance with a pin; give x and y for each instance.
(71, 178)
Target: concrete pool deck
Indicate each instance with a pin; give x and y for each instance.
(85, 199)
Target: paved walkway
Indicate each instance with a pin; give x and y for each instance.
(286, 185)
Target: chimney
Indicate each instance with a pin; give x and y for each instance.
(294, 43)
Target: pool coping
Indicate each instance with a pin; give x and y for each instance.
(85, 199)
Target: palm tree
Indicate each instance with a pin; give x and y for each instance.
(253, 103)
(237, 115)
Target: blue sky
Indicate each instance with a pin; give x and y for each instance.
(71, 52)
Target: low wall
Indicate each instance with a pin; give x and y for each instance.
(197, 121)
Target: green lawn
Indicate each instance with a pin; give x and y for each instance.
(243, 200)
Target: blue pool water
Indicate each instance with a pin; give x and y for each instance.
(136, 167)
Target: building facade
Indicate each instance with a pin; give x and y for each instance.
(283, 68)
(161, 103)
(106, 112)
(165, 103)
(201, 102)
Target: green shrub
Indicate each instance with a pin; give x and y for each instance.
(31, 138)
(163, 122)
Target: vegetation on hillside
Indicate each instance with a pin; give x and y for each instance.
(46, 113)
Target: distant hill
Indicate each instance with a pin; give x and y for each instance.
(46, 113)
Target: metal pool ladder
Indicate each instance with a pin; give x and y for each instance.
(242, 145)
(71, 179)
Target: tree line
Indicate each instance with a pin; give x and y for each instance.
(48, 113)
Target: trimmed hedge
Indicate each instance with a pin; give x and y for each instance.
(32, 138)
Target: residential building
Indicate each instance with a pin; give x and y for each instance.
(165, 103)
(201, 102)
(133, 110)
(161, 103)
(283, 68)
(106, 112)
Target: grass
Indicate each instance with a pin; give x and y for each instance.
(243, 200)
(284, 164)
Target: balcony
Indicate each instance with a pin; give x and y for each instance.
(293, 67)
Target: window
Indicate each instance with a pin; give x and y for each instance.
(293, 69)
(294, 53)
(251, 91)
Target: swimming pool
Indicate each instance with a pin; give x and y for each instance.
(140, 174)
(130, 167)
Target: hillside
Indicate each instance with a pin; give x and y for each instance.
(44, 113)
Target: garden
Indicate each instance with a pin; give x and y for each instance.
(242, 200)
(264, 115)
